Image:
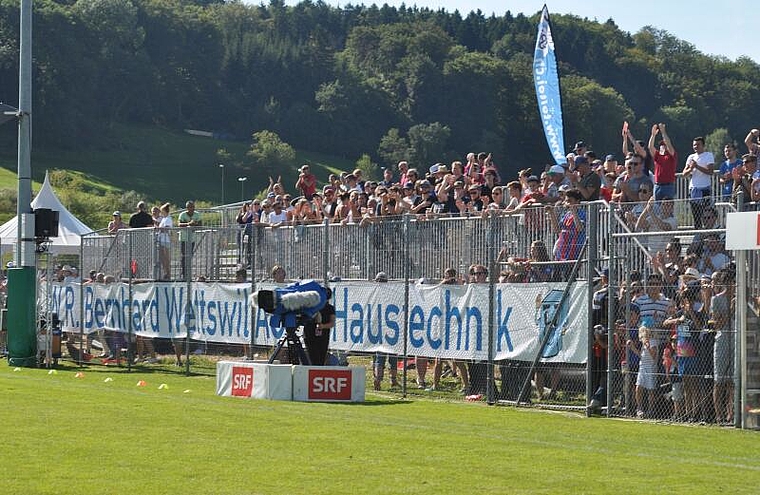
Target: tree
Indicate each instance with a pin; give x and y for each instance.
(427, 143)
(393, 147)
(717, 139)
(269, 152)
(370, 169)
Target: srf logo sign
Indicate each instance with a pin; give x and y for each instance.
(329, 384)
(242, 381)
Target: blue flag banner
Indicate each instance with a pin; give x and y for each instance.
(546, 80)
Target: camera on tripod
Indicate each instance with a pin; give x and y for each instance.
(290, 307)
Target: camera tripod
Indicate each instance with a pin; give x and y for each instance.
(296, 352)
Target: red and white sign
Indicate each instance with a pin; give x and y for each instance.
(743, 230)
(328, 383)
(255, 380)
(242, 381)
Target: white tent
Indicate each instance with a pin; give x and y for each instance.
(70, 228)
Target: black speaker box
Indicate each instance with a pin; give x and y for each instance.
(45, 223)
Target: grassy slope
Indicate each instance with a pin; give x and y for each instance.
(69, 436)
(165, 165)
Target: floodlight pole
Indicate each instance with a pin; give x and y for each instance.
(25, 247)
(221, 167)
(242, 187)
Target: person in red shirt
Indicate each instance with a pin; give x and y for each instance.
(307, 182)
(665, 160)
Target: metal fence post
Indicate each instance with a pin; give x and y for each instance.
(740, 326)
(611, 308)
(250, 260)
(590, 270)
(82, 346)
(491, 259)
(326, 251)
(129, 314)
(189, 254)
(406, 301)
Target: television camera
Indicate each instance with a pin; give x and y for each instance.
(290, 307)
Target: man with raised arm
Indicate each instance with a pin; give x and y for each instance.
(665, 159)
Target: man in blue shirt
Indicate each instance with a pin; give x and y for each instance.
(726, 168)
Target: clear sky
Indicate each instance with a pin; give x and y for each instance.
(723, 28)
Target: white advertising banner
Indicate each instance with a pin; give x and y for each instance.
(448, 321)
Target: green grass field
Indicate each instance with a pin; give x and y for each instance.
(68, 435)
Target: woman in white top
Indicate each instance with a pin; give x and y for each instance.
(165, 242)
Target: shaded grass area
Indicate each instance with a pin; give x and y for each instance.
(163, 164)
(87, 435)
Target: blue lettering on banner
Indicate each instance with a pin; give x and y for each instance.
(357, 324)
(390, 311)
(435, 342)
(502, 330)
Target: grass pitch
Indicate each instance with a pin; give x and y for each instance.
(89, 435)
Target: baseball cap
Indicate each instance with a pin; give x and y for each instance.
(381, 277)
(579, 145)
(556, 169)
(117, 213)
(533, 178)
(580, 160)
(610, 158)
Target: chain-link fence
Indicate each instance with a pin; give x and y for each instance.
(541, 306)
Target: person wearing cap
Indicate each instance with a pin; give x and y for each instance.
(585, 180)
(557, 178)
(116, 224)
(187, 219)
(746, 182)
(475, 201)
(665, 161)
(351, 184)
(426, 198)
(307, 182)
(141, 218)
(580, 148)
(570, 228)
(533, 185)
(410, 195)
